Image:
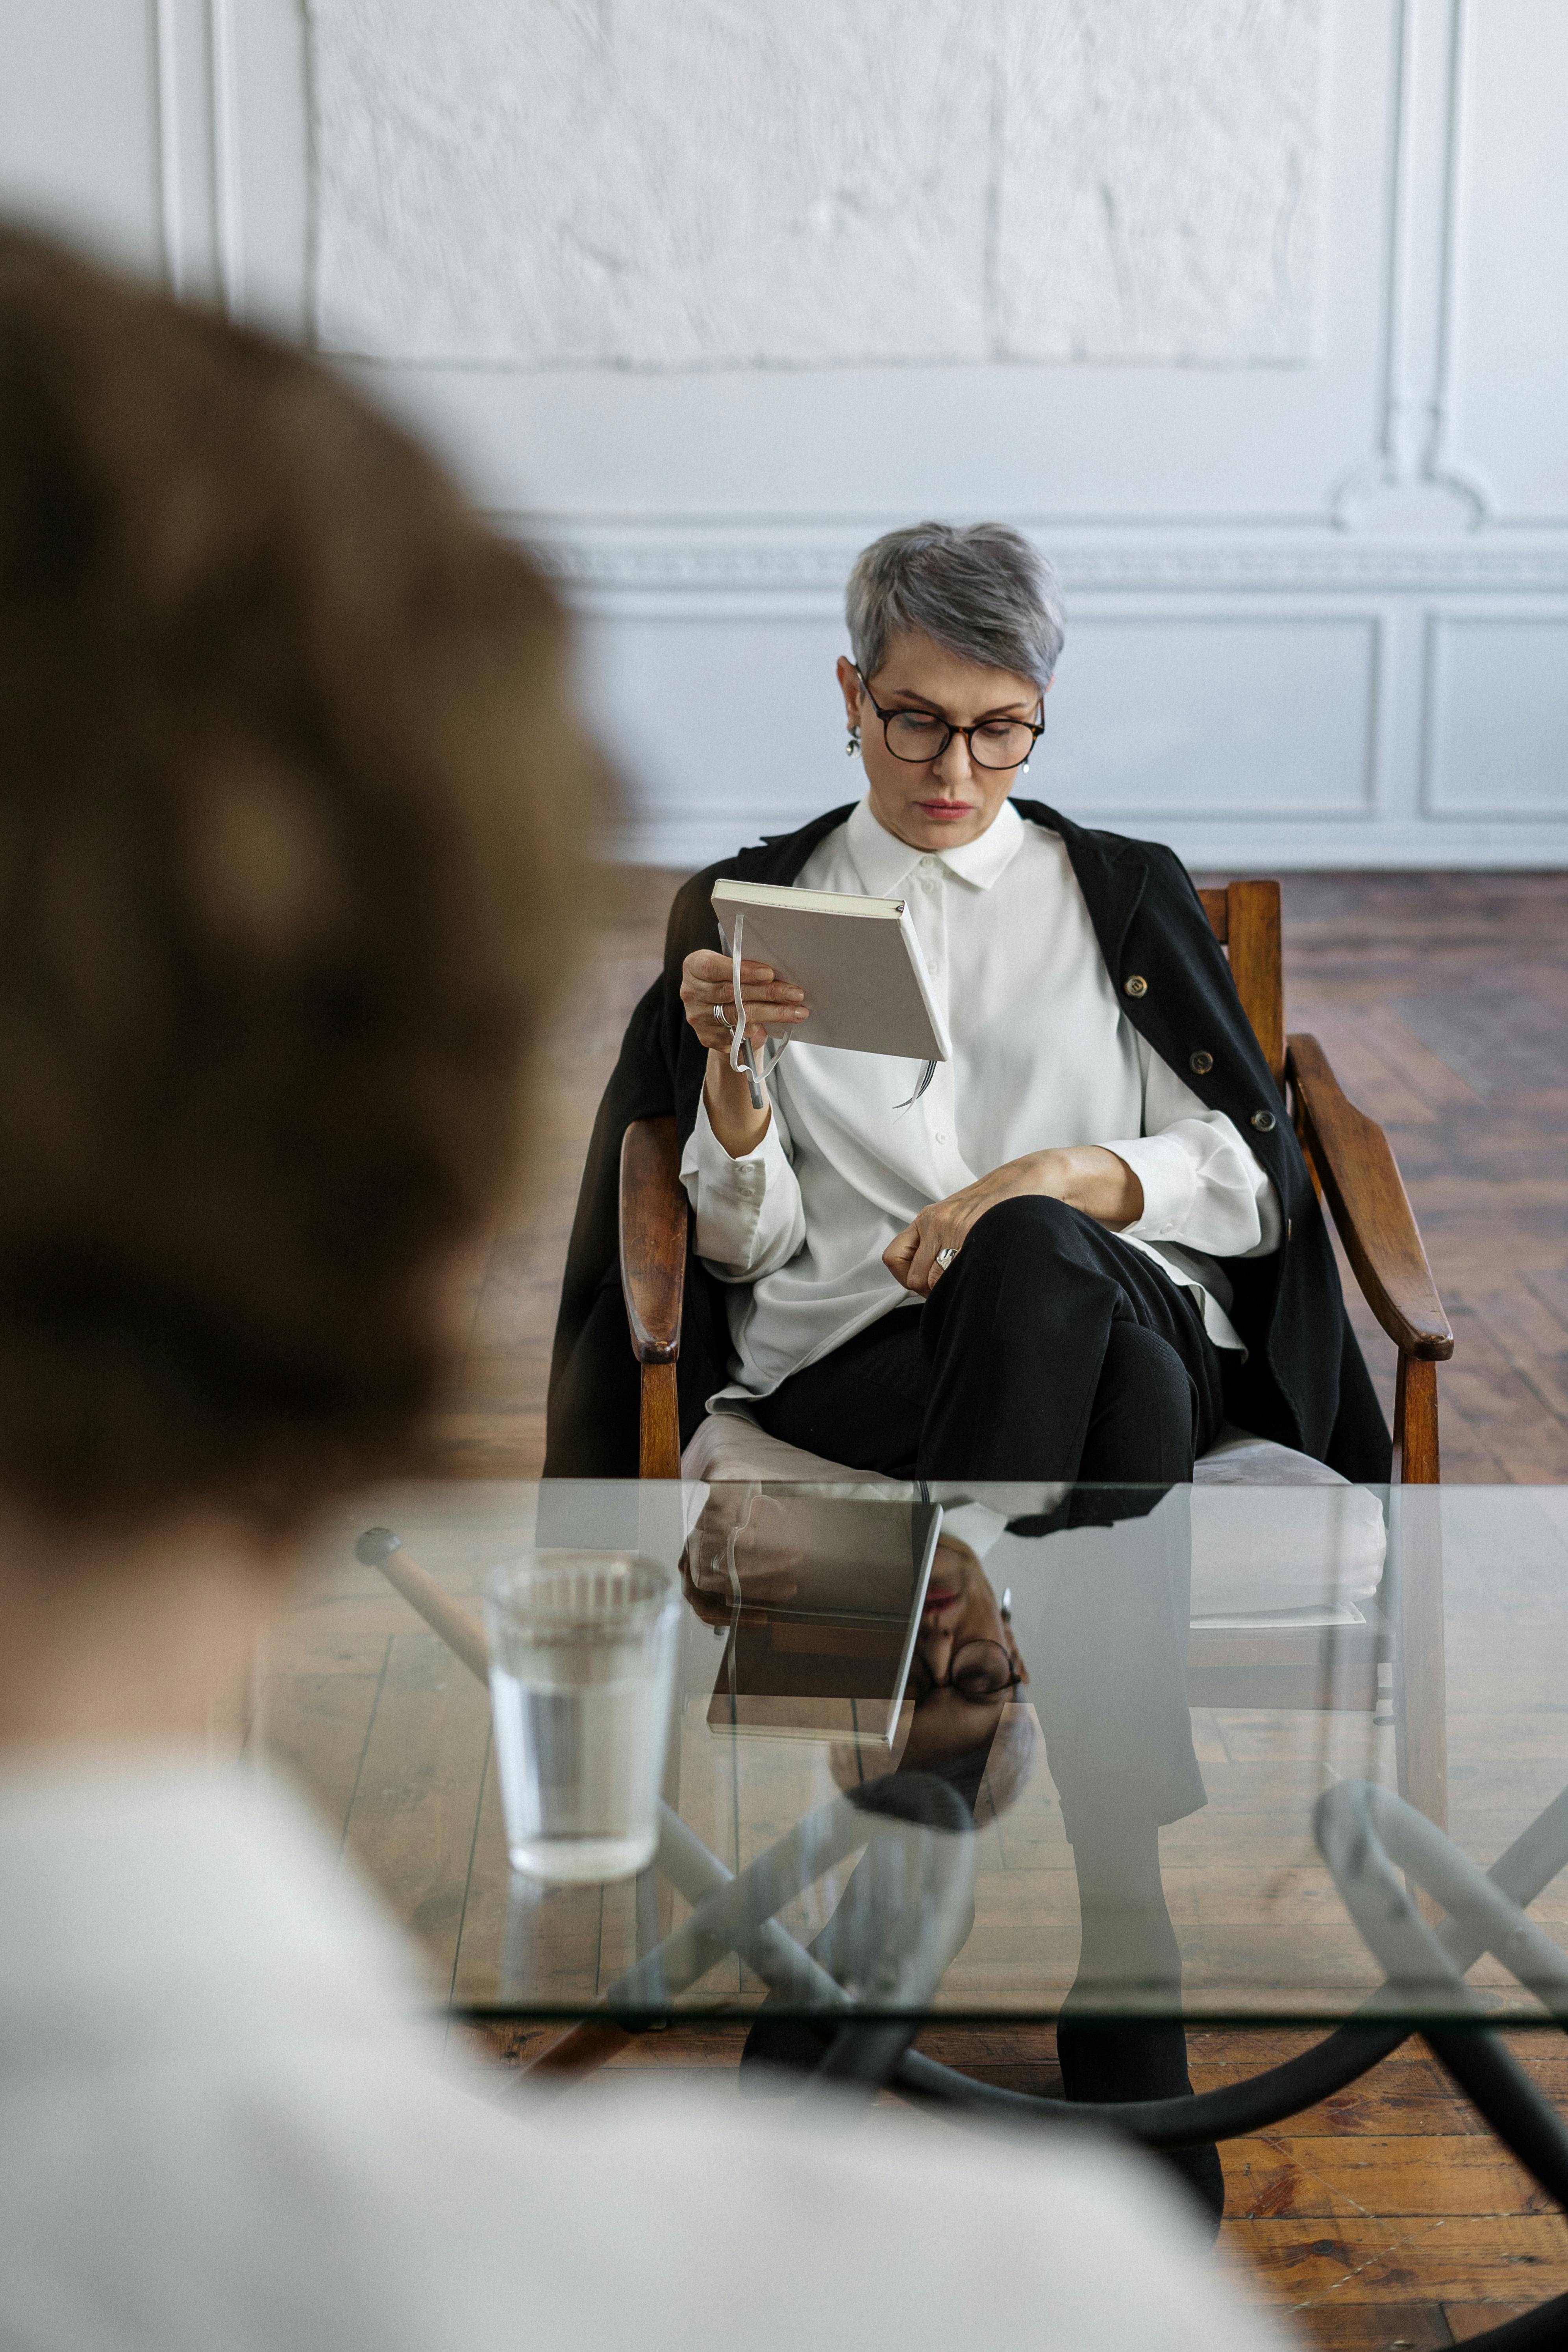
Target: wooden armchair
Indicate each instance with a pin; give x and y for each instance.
(1347, 1152)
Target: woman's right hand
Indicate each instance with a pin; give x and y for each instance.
(708, 993)
(707, 988)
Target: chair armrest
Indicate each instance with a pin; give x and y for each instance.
(1359, 1176)
(653, 1217)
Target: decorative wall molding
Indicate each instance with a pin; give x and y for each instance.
(196, 83)
(1409, 481)
(171, 209)
(721, 561)
(687, 840)
(224, 99)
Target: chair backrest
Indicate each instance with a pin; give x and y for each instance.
(1245, 918)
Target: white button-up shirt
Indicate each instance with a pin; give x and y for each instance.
(228, 2124)
(1043, 1056)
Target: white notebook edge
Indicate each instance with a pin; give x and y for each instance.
(822, 902)
(761, 894)
(934, 1012)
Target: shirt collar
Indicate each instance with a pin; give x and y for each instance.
(883, 860)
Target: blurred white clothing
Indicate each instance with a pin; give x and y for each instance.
(226, 2123)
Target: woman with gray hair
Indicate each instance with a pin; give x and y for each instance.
(1091, 1237)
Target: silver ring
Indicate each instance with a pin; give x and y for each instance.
(720, 1014)
(944, 1258)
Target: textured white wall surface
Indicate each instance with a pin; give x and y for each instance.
(796, 182)
(1251, 312)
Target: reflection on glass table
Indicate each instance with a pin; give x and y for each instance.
(1138, 1707)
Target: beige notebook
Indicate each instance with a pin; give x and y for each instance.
(857, 959)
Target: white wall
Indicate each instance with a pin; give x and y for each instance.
(1255, 312)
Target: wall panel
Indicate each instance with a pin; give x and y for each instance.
(718, 717)
(78, 121)
(1497, 716)
(1221, 715)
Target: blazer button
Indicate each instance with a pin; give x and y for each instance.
(1134, 985)
(1201, 1064)
(1263, 1120)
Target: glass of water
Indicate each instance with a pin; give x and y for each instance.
(581, 1662)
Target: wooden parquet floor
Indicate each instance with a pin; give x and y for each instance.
(1387, 2217)
(1442, 1001)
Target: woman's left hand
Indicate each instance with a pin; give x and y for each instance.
(1085, 1175)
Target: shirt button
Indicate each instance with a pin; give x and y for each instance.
(928, 863)
(1201, 1064)
(1134, 985)
(940, 1136)
(1263, 1120)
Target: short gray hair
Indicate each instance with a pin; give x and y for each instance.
(979, 590)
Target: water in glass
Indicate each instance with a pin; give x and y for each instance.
(582, 1661)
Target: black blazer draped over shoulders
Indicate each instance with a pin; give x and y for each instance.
(1304, 1384)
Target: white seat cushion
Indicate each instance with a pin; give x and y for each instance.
(1274, 1532)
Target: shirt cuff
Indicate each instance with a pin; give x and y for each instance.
(1164, 1166)
(744, 1180)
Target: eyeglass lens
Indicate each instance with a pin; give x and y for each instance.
(979, 1670)
(915, 736)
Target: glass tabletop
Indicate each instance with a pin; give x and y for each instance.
(1137, 1697)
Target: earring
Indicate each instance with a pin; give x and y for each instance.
(854, 743)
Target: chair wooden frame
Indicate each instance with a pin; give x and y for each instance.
(1347, 1152)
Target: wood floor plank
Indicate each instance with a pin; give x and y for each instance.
(314, 1725)
(1461, 2173)
(1438, 1083)
(1529, 1335)
(1459, 2260)
(1529, 1443)
(1468, 2319)
(411, 1824)
(1372, 1083)
(537, 1946)
(1549, 1284)
(1373, 2326)
(1407, 2100)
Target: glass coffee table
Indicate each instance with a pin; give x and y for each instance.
(1137, 1700)
(1154, 1761)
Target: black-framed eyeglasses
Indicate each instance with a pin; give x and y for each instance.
(977, 1671)
(916, 736)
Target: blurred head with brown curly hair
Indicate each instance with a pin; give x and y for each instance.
(288, 783)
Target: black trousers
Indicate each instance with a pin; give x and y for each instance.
(1047, 1351)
